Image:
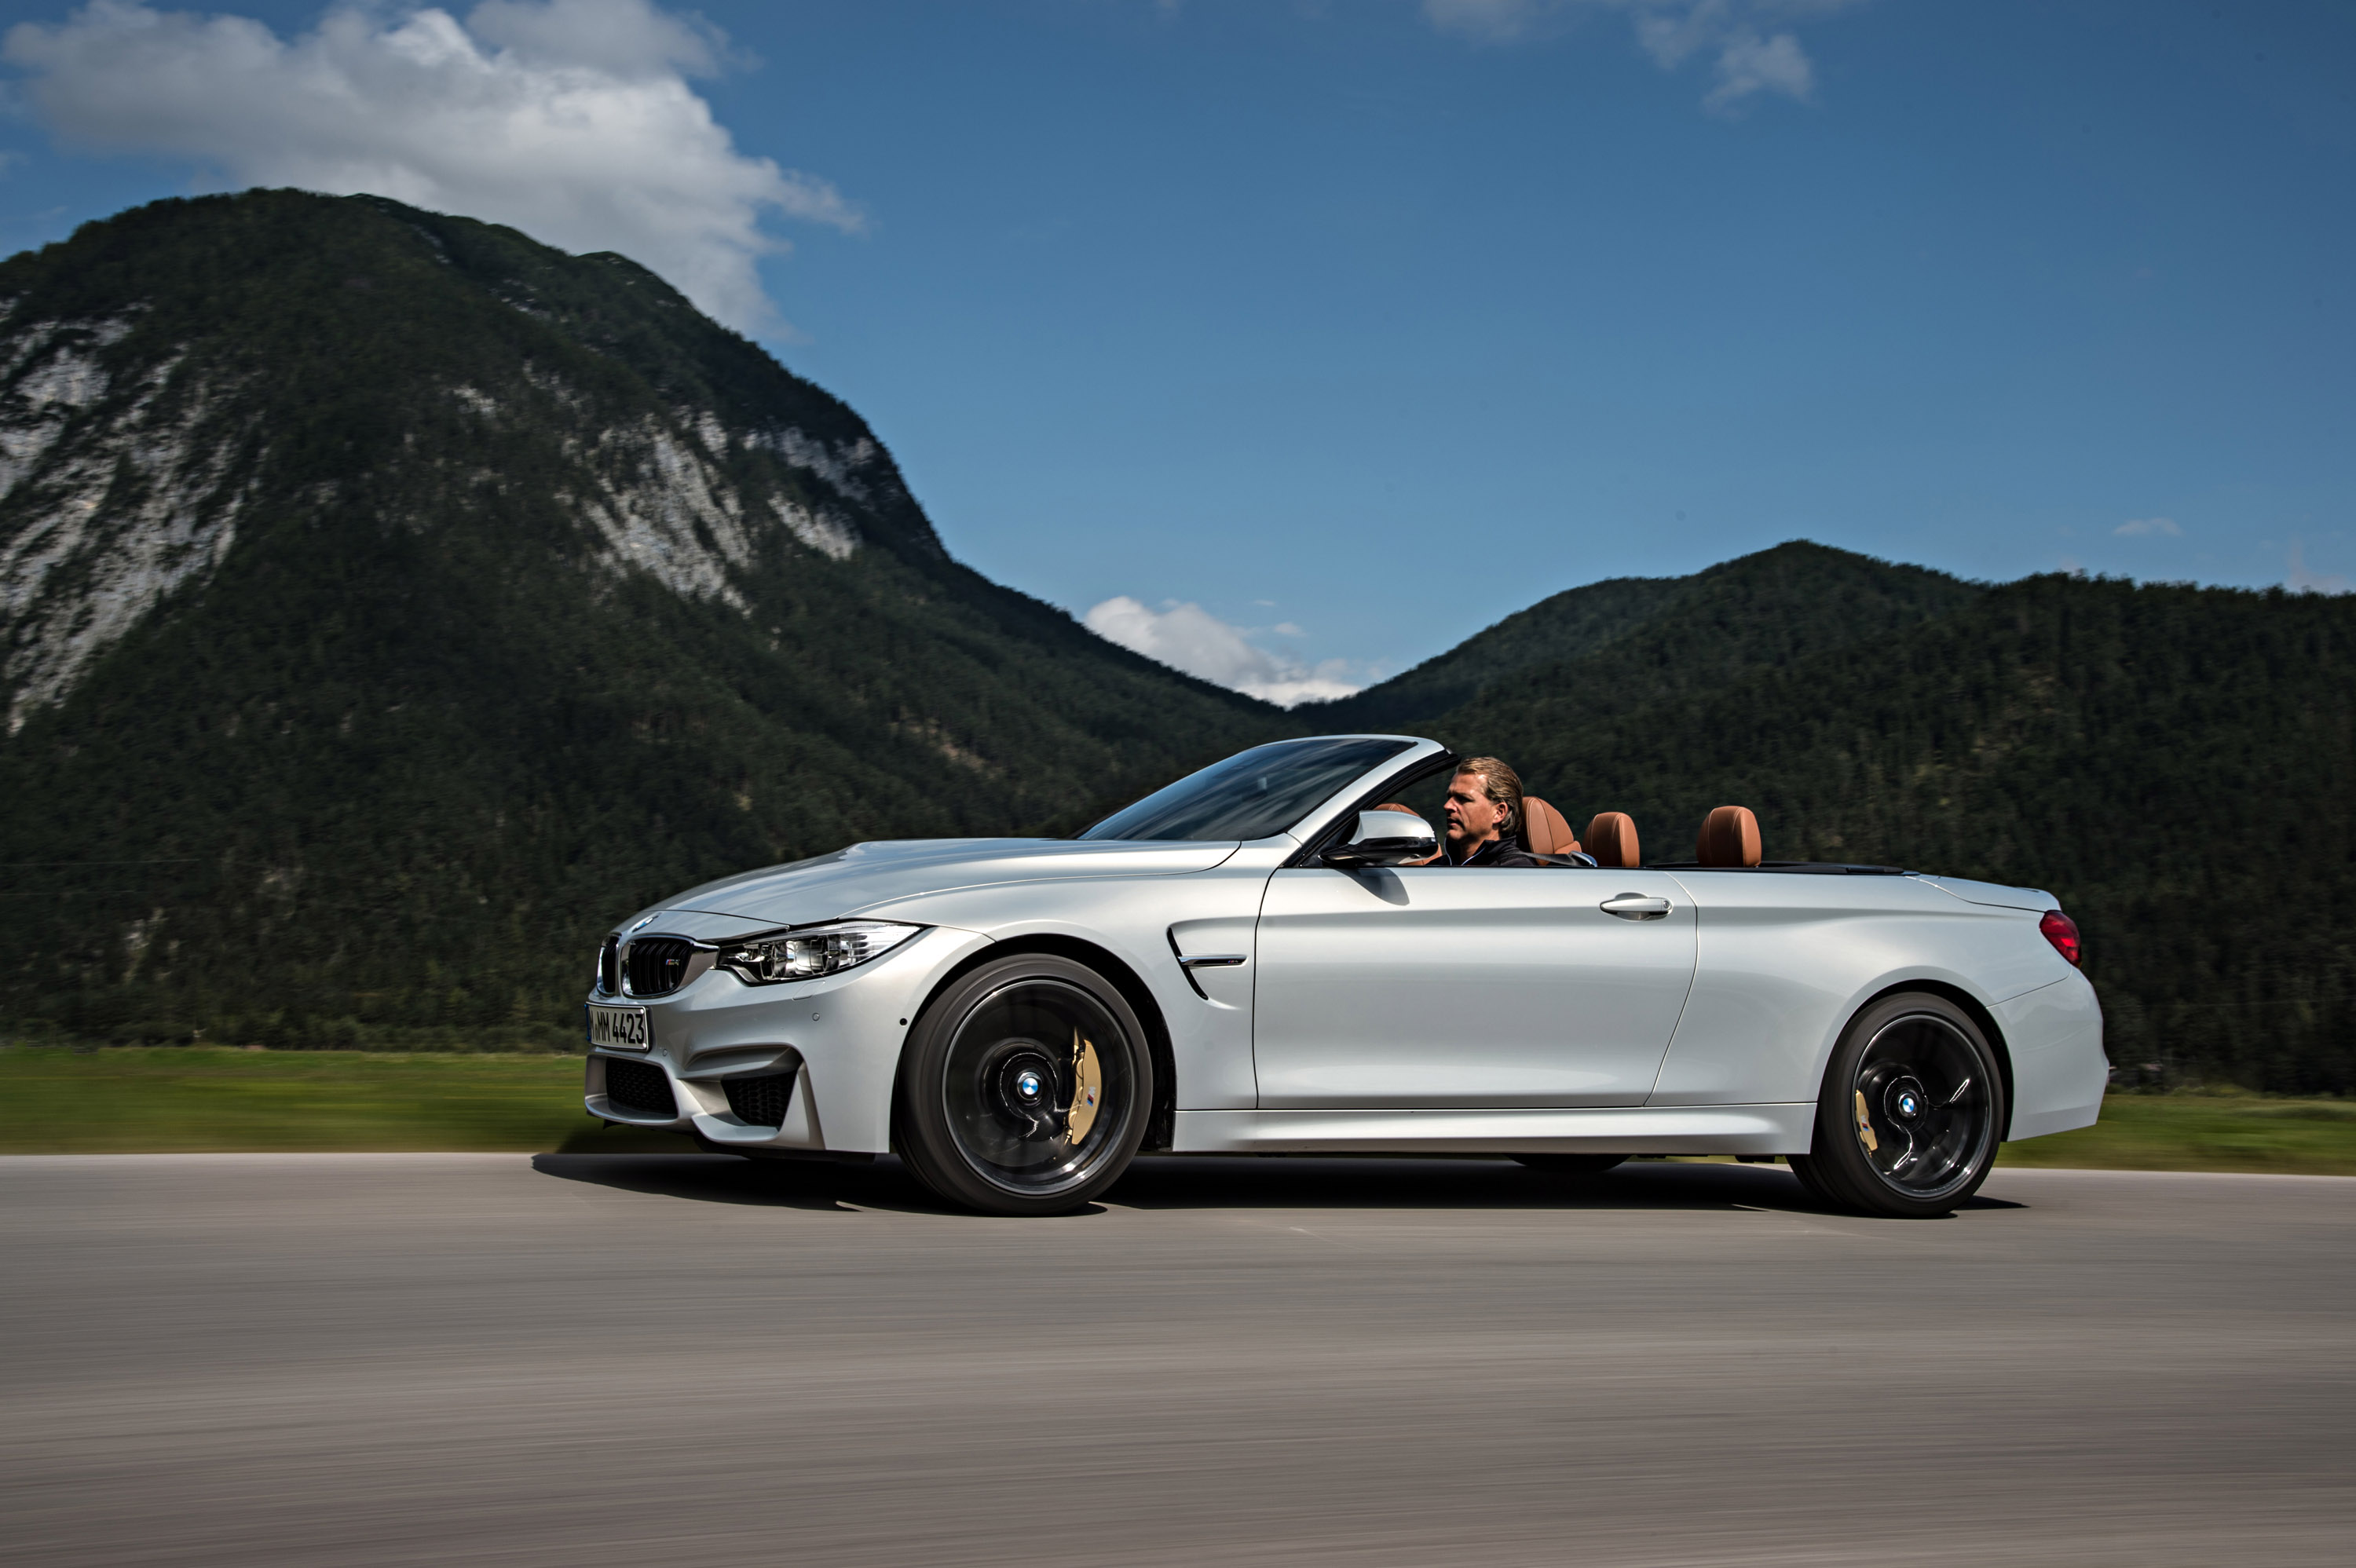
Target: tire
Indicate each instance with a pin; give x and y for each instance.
(1572, 1164)
(1912, 1112)
(1024, 1087)
(1805, 1168)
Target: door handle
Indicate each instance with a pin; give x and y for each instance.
(1635, 906)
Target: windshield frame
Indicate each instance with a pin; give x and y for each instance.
(1414, 769)
(1312, 821)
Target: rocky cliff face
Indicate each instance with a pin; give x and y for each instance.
(385, 595)
(113, 498)
(129, 451)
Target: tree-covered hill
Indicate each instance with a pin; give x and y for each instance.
(1768, 607)
(388, 602)
(2172, 763)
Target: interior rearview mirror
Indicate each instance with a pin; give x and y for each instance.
(1384, 838)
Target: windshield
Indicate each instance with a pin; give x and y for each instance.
(1252, 795)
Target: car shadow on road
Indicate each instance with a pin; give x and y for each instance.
(1158, 1182)
(824, 1186)
(1330, 1182)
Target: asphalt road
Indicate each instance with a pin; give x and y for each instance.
(406, 1358)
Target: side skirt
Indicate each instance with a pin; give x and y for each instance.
(1615, 1129)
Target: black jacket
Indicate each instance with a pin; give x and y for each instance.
(1497, 852)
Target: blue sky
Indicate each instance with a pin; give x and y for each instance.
(1359, 326)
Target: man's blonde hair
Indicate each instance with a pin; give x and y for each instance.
(1503, 786)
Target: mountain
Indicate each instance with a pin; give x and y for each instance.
(2171, 763)
(1668, 631)
(388, 602)
(1574, 621)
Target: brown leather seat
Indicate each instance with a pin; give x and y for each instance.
(1611, 840)
(1543, 831)
(1730, 838)
(1394, 806)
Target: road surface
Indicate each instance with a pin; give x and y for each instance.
(672, 1361)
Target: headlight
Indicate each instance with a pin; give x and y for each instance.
(812, 951)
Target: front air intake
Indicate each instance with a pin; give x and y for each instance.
(639, 1087)
(761, 1101)
(656, 966)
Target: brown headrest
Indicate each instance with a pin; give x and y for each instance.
(1611, 840)
(1394, 806)
(1543, 831)
(1729, 836)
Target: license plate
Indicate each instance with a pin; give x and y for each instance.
(622, 1028)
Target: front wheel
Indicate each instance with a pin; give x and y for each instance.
(1911, 1111)
(1024, 1087)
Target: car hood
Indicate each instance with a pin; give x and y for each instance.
(851, 880)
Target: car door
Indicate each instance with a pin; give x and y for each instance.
(1445, 987)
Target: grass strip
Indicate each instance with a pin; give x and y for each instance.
(163, 1099)
(2203, 1132)
(134, 1099)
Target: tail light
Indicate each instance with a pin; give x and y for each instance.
(2061, 931)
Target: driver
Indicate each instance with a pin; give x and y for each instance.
(1484, 817)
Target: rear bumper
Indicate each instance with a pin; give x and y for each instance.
(2055, 1037)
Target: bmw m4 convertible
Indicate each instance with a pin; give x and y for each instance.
(1253, 960)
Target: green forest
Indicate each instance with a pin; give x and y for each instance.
(386, 775)
(2171, 763)
(383, 775)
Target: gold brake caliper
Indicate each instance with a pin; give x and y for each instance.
(1088, 1087)
(1865, 1127)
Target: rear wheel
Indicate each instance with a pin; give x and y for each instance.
(1572, 1164)
(1911, 1111)
(1024, 1087)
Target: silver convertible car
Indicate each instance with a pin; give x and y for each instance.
(1251, 961)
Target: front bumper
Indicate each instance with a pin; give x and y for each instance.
(834, 1043)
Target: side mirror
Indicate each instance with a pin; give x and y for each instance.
(1384, 838)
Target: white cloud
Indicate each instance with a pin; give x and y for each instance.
(571, 120)
(629, 38)
(2137, 526)
(1752, 55)
(1189, 637)
(2299, 579)
(1749, 63)
(1492, 21)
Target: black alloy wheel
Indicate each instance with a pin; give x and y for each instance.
(1024, 1087)
(1911, 1113)
(1572, 1164)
